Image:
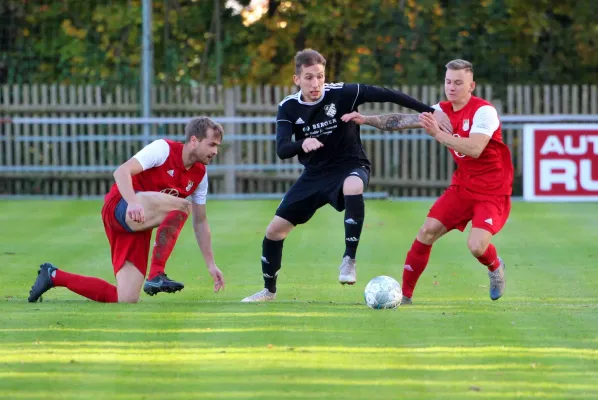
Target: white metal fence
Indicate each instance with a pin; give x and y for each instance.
(76, 158)
(62, 140)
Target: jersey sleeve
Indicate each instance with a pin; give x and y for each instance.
(153, 155)
(485, 121)
(437, 107)
(282, 114)
(200, 195)
(376, 94)
(285, 146)
(351, 92)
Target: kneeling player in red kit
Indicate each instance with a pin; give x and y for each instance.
(481, 187)
(149, 192)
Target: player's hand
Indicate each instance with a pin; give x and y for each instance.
(135, 212)
(311, 144)
(355, 117)
(443, 121)
(217, 277)
(429, 123)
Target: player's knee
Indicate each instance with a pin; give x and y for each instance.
(177, 204)
(276, 230)
(429, 233)
(477, 247)
(353, 190)
(185, 206)
(273, 233)
(353, 186)
(128, 297)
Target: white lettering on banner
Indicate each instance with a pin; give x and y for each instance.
(565, 172)
(585, 176)
(553, 144)
(558, 172)
(560, 162)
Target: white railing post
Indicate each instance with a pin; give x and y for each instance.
(229, 146)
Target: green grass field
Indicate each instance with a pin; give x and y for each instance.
(319, 340)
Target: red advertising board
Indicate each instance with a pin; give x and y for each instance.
(560, 162)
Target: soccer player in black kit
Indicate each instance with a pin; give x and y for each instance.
(336, 167)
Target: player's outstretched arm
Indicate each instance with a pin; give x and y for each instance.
(375, 94)
(203, 235)
(386, 122)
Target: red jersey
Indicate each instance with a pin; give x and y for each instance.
(492, 172)
(163, 171)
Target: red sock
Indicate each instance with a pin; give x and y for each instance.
(87, 286)
(166, 237)
(489, 258)
(416, 262)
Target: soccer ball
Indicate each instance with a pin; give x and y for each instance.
(383, 292)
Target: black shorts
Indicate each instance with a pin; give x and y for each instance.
(312, 191)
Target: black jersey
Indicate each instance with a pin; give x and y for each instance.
(321, 120)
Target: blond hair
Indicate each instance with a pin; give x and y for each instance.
(458, 64)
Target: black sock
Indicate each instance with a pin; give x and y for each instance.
(271, 260)
(354, 214)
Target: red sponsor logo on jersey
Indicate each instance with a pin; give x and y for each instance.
(170, 191)
(460, 155)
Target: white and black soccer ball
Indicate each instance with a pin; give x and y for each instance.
(383, 292)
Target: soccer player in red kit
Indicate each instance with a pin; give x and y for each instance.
(149, 192)
(481, 186)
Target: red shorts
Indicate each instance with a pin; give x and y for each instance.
(457, 206)
(124, 244)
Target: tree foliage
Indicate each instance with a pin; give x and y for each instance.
(375, 41)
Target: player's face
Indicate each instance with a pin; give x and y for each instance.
(458, 85)
(311, 81)
(205, 150)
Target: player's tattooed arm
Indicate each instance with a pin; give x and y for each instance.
(393, 122)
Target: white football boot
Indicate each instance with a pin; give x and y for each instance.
(347, 274)
(262, 295)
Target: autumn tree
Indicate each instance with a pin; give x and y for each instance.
(372, 41)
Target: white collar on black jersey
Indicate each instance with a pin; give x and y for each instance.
(313, 103)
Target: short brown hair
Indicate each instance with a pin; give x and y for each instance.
(199, 126)
(308, 57)
(459, 64)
